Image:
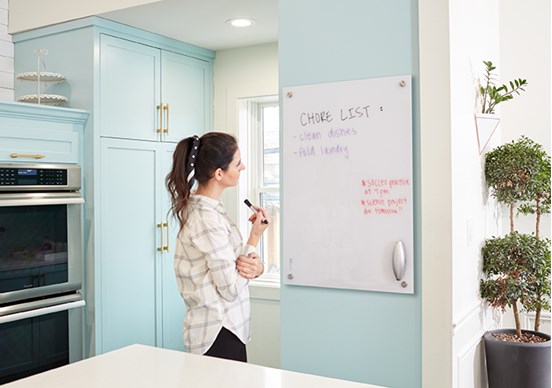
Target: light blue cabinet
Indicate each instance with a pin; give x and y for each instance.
(152, 94)
(140, 301)
(130, 89)
(40, 134)
(172, 303)
(145, 93)
(186, 103)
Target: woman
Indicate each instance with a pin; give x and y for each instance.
(212, 265)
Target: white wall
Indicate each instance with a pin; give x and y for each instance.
(242, 73)
(435, 148)
(525, 52)
(457, 213)
(6, 55)
(473, 213)
(517, 40)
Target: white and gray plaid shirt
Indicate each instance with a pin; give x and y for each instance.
(205, 264)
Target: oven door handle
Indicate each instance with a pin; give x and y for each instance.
(40, 307)
(40, 201)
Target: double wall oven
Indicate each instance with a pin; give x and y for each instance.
(41, 268)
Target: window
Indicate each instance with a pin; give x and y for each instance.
(260, 130)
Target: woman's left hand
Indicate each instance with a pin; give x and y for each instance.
(250, 266)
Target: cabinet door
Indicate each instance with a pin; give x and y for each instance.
(186, 88)
(19, 142)
(173, 306)
(129, 89)
(129, 301)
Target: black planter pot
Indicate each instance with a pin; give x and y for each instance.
(517, 365)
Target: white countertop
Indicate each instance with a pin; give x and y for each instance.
(145, 366)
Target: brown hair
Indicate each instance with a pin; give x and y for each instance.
(215, 150)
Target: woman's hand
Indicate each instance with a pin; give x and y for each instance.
(250, 266)
(258, 226)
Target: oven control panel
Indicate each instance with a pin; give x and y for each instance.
(36, 177)
(32, 176)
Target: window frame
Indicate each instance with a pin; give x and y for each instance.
(251, 133)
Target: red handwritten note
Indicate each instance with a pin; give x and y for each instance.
(383, 196)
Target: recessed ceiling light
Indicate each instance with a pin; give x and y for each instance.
(240, 22)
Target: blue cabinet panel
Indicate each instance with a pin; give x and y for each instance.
(128, 222)
(152, 94)
(173, 306)
(186, 86)
(31, 133)
(43, 145)
(140, 302)
(129, 89)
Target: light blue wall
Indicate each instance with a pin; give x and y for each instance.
(362, 336)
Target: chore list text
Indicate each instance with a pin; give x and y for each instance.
(328, 133)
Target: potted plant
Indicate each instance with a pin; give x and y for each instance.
(490, 95)
(516, 267)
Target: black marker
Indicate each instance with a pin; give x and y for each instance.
(246, 201)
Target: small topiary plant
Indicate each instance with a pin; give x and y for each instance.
(516, 267)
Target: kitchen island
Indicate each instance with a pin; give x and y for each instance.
(145, 366)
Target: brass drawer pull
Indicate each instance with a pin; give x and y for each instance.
(166, 108)
(160, 109)
(29, 156)
(163, 247)
(166, 247)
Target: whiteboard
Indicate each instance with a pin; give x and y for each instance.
(347, 185)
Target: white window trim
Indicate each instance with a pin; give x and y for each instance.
(253, 161)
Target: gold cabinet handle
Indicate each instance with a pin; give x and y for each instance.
(161, 248)
(166, 247)
(166, 108)
(28, 156)
(160, 109)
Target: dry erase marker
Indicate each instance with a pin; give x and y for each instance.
(246, 201)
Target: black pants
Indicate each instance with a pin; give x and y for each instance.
(228, 346)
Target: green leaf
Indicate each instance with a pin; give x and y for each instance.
(492, 96)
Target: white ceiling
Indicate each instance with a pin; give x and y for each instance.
(202, 22)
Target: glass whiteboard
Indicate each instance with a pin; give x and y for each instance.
(347, 185)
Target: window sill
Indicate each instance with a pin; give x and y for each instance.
(259, 289)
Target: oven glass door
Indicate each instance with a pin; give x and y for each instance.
(33, 246)
(39, 249)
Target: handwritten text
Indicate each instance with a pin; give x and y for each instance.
(383, 196)
(326, 116)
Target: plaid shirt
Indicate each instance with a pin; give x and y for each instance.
(205, 265)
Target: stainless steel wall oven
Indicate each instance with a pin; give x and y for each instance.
(41, 268)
